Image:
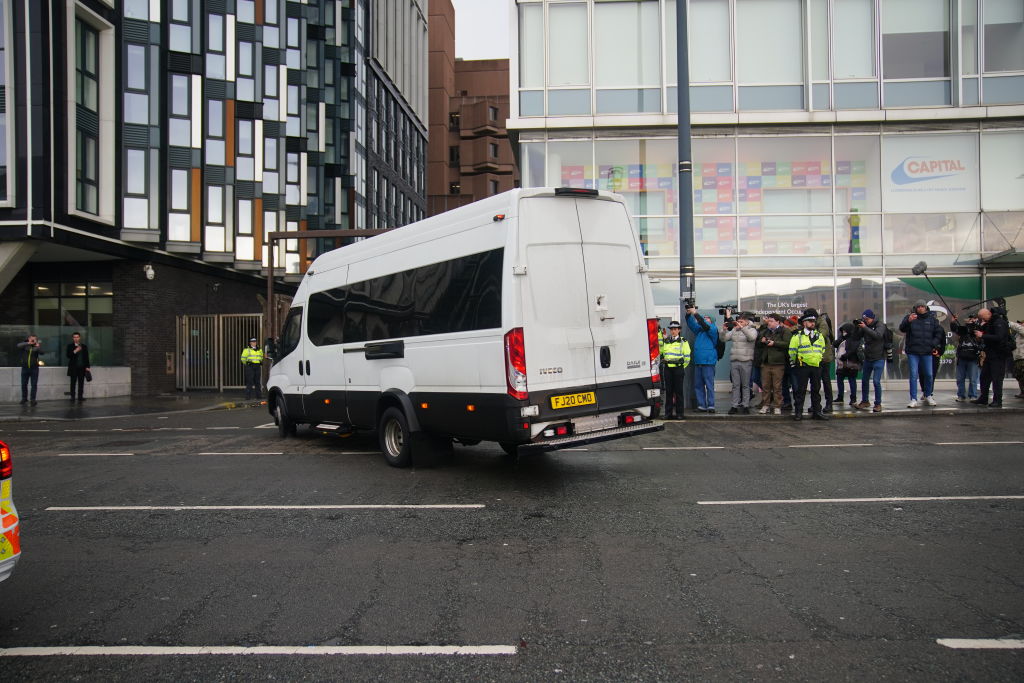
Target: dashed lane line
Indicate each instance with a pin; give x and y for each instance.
(207, 508)
(830, 445)
(252, 453)
(982, 643)
(287, 650)
(76, 455)
(893, 499)
(683, 448)
(977, 443)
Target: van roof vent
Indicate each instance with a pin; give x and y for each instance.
(575, 191)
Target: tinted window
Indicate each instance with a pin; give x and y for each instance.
(291, 333)
(453, 296)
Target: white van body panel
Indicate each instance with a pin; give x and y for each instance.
(571, 278)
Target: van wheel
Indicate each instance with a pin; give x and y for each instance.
(394, 437)
(511, 449)
(285, 425)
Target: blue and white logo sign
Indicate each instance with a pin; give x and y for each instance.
(930, 173)
(922, 169)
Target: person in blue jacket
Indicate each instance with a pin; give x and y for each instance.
(705, 357)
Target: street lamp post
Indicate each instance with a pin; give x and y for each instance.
(687, 282)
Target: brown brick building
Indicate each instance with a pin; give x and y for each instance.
(468, 152)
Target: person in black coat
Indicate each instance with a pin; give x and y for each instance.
(995, 335)
(78, 365)
(924, 339)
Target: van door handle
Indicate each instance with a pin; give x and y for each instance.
(606, 357)
(300, 369)
(307, 368)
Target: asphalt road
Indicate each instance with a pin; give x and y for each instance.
(652, 558)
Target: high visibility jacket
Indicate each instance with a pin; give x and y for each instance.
(251, 355)
(676, 352)
(804, 351)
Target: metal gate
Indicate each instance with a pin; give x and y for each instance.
(209, 348)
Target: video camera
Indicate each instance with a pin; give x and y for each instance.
(729, 314)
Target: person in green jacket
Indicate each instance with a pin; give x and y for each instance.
(252, 358)
(806, 349)
(772, 350)
(675, 356)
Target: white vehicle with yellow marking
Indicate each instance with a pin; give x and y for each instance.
(10, 542)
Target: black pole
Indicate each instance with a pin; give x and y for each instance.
(687, 282)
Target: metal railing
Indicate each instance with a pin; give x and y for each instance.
(209, 348)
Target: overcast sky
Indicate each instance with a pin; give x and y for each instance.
(481, 28)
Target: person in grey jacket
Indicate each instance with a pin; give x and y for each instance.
(743, 336)
(1017, 329)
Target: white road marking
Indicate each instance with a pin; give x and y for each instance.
(269, 425)
(177, 508)
(828, 445)
(75, 455)
(321, 650)
(223, 427)
(575, 449)
(81, 430)
(274, 453)
(33, 430)
(982, 643)
(976, 443)
(901, 499)
(682, 448)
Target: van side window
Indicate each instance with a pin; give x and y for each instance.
(291, 333)
(459, 295)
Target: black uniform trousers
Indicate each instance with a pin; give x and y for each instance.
(252, 380)
(992, 372)
(673, 377)
(803, 375)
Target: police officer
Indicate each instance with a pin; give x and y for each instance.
(252, 358)
(675, 356)
(806, 349)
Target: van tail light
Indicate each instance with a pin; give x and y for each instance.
(655, 351)
(515, 364)
(6, 466)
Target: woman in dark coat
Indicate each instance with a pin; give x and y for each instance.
(78, 365)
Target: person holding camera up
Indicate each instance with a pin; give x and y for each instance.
(675, 356)
(806, 349)
(924, 338)
(29, 362)
(705, 357)
(849, 357)
(772, 349)
(994, 333)
(968, 353)
(743, 335)
(873, 335)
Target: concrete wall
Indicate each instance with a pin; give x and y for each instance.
(54, 384)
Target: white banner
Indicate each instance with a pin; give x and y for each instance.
(930, 173)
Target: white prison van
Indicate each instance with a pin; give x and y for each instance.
(525, 318)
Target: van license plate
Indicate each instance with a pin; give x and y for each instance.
(573, 400)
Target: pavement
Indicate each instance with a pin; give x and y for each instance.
(894, 403)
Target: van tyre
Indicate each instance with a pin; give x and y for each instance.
(285, 425)
(394, 438)
(511, 449)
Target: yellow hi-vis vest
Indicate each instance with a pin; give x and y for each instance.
(675, 352)
(251, 355)
(802, 351)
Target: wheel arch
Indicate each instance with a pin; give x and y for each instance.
(396, 398)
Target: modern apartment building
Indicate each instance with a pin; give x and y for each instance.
(149, 147)
(836, 143)
(469, 155)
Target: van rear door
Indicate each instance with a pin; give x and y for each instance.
(583, 297)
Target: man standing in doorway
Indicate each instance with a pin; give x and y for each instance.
(252, 359)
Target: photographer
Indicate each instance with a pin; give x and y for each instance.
(873, 334)
(1018, 354)
(968, 353)
(924, 338)
(772, 348)
(849, 358)
(705, 357)
(994, 333)
(28, 360)
(743, 336)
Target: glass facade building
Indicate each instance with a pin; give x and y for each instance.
(836, 143)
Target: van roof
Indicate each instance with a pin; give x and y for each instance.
(456, 220)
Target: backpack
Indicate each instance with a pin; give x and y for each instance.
(720, 347)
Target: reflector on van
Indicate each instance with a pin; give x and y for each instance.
(570, 191)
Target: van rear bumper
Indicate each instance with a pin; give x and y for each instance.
(591, 437)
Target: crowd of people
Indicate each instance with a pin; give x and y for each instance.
(779, 360)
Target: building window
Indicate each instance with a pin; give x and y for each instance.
(492, 113)
(453, 121)
(179, 218)
(215, 140)
(454, 156)
(246, 160)
(181, 26)
(216, 59)
(494, 186)
(245, 84)
(179, 114)
(493, 149)
(87, 118)
(74, 304)
(1004, 35)
(136, 86)
(454, 188)
(915, 39)
(136, 200)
